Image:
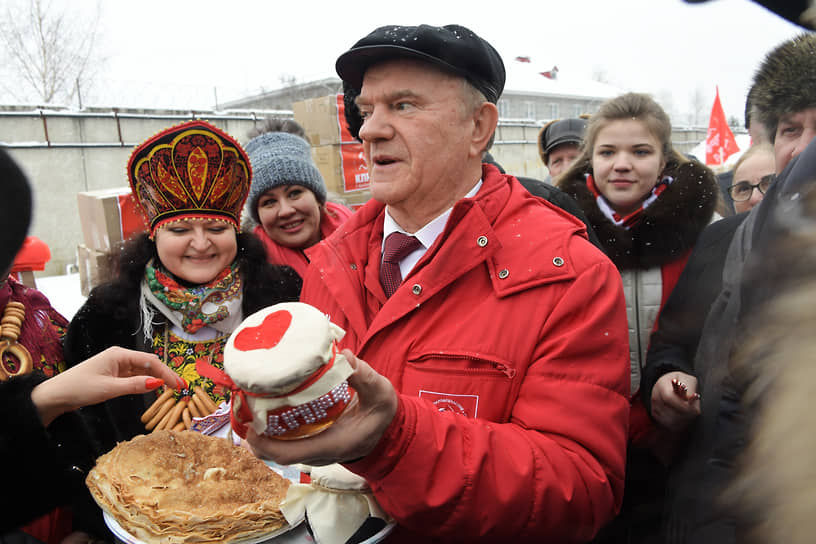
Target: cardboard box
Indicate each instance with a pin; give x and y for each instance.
(354, 201)
(95, 267)
(342, 166)
(108, 217)
(323, 119)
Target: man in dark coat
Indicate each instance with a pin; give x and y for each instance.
(688, 350)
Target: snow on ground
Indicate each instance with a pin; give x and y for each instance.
(63, 292)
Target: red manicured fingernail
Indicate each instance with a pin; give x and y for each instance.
(181, 384)
(153, 383)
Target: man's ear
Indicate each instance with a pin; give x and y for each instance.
(485, 120)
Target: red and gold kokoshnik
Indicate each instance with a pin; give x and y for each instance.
(192, 170)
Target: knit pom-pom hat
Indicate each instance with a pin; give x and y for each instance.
(280, 158)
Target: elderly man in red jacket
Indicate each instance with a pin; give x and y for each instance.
(493, 382)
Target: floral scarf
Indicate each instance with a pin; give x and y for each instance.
(216, 304)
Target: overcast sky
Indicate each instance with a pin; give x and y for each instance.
(176, 52)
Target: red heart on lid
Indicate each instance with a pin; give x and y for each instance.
(266, 335)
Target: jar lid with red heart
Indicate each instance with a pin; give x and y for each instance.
(288, 371)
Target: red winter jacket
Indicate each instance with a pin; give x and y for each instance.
(508, 345)
(333, 216)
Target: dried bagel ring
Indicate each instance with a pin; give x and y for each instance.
(163, 410)
(154, 408)
(186, 417)
(203, 409)
(17, 314)
(11, 320)
(173, 417)
(194, 410)
(19, 352)
(208, 402)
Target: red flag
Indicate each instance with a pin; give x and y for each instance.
(523, 59)
(720, 142)
(550, 74)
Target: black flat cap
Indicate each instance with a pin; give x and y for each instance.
(453, 48)
(562, 132)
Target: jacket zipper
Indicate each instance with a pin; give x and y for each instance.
(504, 369)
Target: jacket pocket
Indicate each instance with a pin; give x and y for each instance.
(469, 384)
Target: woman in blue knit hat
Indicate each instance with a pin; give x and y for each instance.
(288, 195)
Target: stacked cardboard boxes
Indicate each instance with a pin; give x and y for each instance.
(338, 156)
(94, 266)
(108, 217)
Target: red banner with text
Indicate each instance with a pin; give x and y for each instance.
(355, 170)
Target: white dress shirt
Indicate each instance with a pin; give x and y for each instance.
(427, 235)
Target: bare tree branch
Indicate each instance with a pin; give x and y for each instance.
(49, 50)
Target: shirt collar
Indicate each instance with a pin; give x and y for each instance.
(428, 234)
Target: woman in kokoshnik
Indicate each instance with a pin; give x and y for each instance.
(187, 283)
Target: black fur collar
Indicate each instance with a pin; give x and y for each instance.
(667, 229)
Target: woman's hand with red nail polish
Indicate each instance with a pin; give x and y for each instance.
(109, 374)
(153, 383)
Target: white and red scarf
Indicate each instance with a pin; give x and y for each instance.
(632, 218)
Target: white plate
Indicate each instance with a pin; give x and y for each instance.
(298, 534)
(288, 535)
(384, 532)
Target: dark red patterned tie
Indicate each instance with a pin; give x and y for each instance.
(397, 246)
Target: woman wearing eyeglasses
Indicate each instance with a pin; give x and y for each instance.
(753, 174)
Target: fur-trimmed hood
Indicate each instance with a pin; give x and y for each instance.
(667, 229)
(785, 81)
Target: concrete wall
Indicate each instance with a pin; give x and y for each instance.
(515, 148)
(66, 152)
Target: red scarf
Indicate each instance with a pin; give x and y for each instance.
(333, 216)
(38, 333)
(630, 219)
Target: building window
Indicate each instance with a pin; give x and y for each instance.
(553, 110)
(504, 109)
(529, 110)
(577, 110)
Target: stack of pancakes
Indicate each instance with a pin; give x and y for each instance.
(183, 487)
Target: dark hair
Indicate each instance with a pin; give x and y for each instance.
(749, 103)
(350, 110)
(278, 124)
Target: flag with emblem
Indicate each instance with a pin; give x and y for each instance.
(720, 141)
